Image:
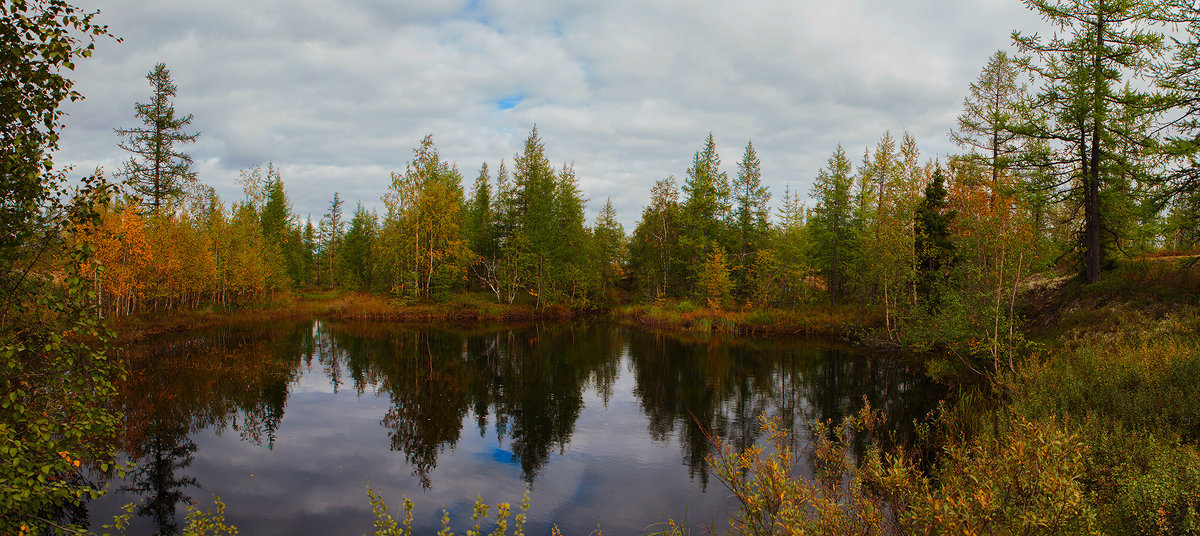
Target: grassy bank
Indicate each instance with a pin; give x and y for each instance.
(337, 305)
(1097, 431)
(842, 321)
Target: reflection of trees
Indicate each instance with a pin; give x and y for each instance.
(428, 400)
(530, 379)
(723, 386)
(166, 450)
(527, 383)
(236, 378)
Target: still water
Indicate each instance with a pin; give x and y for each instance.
(289, 423)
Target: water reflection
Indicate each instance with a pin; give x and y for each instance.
(521, 388)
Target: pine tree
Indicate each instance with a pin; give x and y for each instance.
(357, 256)
(158, 172)
(533, 197)
(331, 230)
(572, 280)
(1105, 42)
(609, 247)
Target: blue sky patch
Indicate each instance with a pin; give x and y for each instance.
(504, 456)
(509, 102)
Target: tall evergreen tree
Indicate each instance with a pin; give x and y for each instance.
(357, 255)
(751, 224)
(705, 209)
(573, 280)
(935, 249)
(995, 105)
(479, 215)
(331, 230)
(1103, 44)
(831, 224)
(535, 237)
(608, 246)
(157, 172)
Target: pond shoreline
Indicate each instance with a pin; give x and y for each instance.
(843, 322)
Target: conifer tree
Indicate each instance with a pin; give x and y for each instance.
(751, 214)
(158, 172)
(705, 209)
(1103, 44)
(995, 105)
(831, 225)
(609, 248)
(357, 255)
(572, 280)
(935, 249)
(331, 230)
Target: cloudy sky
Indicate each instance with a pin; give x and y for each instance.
(338, 94)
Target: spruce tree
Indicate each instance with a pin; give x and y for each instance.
(935, 250)
(331, 229)
(751, 213)
(705, 209)
(157, 172)
(833, 232)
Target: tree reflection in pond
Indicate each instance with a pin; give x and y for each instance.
(523, 387)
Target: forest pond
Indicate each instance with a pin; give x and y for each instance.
(290, 422)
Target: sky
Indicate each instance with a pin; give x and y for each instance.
(337, 94)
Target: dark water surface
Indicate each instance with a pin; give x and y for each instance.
(287, 422)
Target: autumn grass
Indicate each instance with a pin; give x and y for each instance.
(337, 305)
(685, 316)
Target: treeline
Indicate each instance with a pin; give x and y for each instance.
(519, 236)
(1079, 169)
(197, 251)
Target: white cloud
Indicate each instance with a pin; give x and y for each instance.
(337, 94)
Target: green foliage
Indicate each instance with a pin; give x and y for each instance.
(57, 375)
(655, 257)
(421, 246)
(935, 250)
(385, 525)
(1143, 385)
(751, 227)
(715, 285)
(357, 259)
(1027, 477)
(39, 44)
(704, 213)
(832, 227)
(1100, 130)
(198, 522)
(609, 249)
